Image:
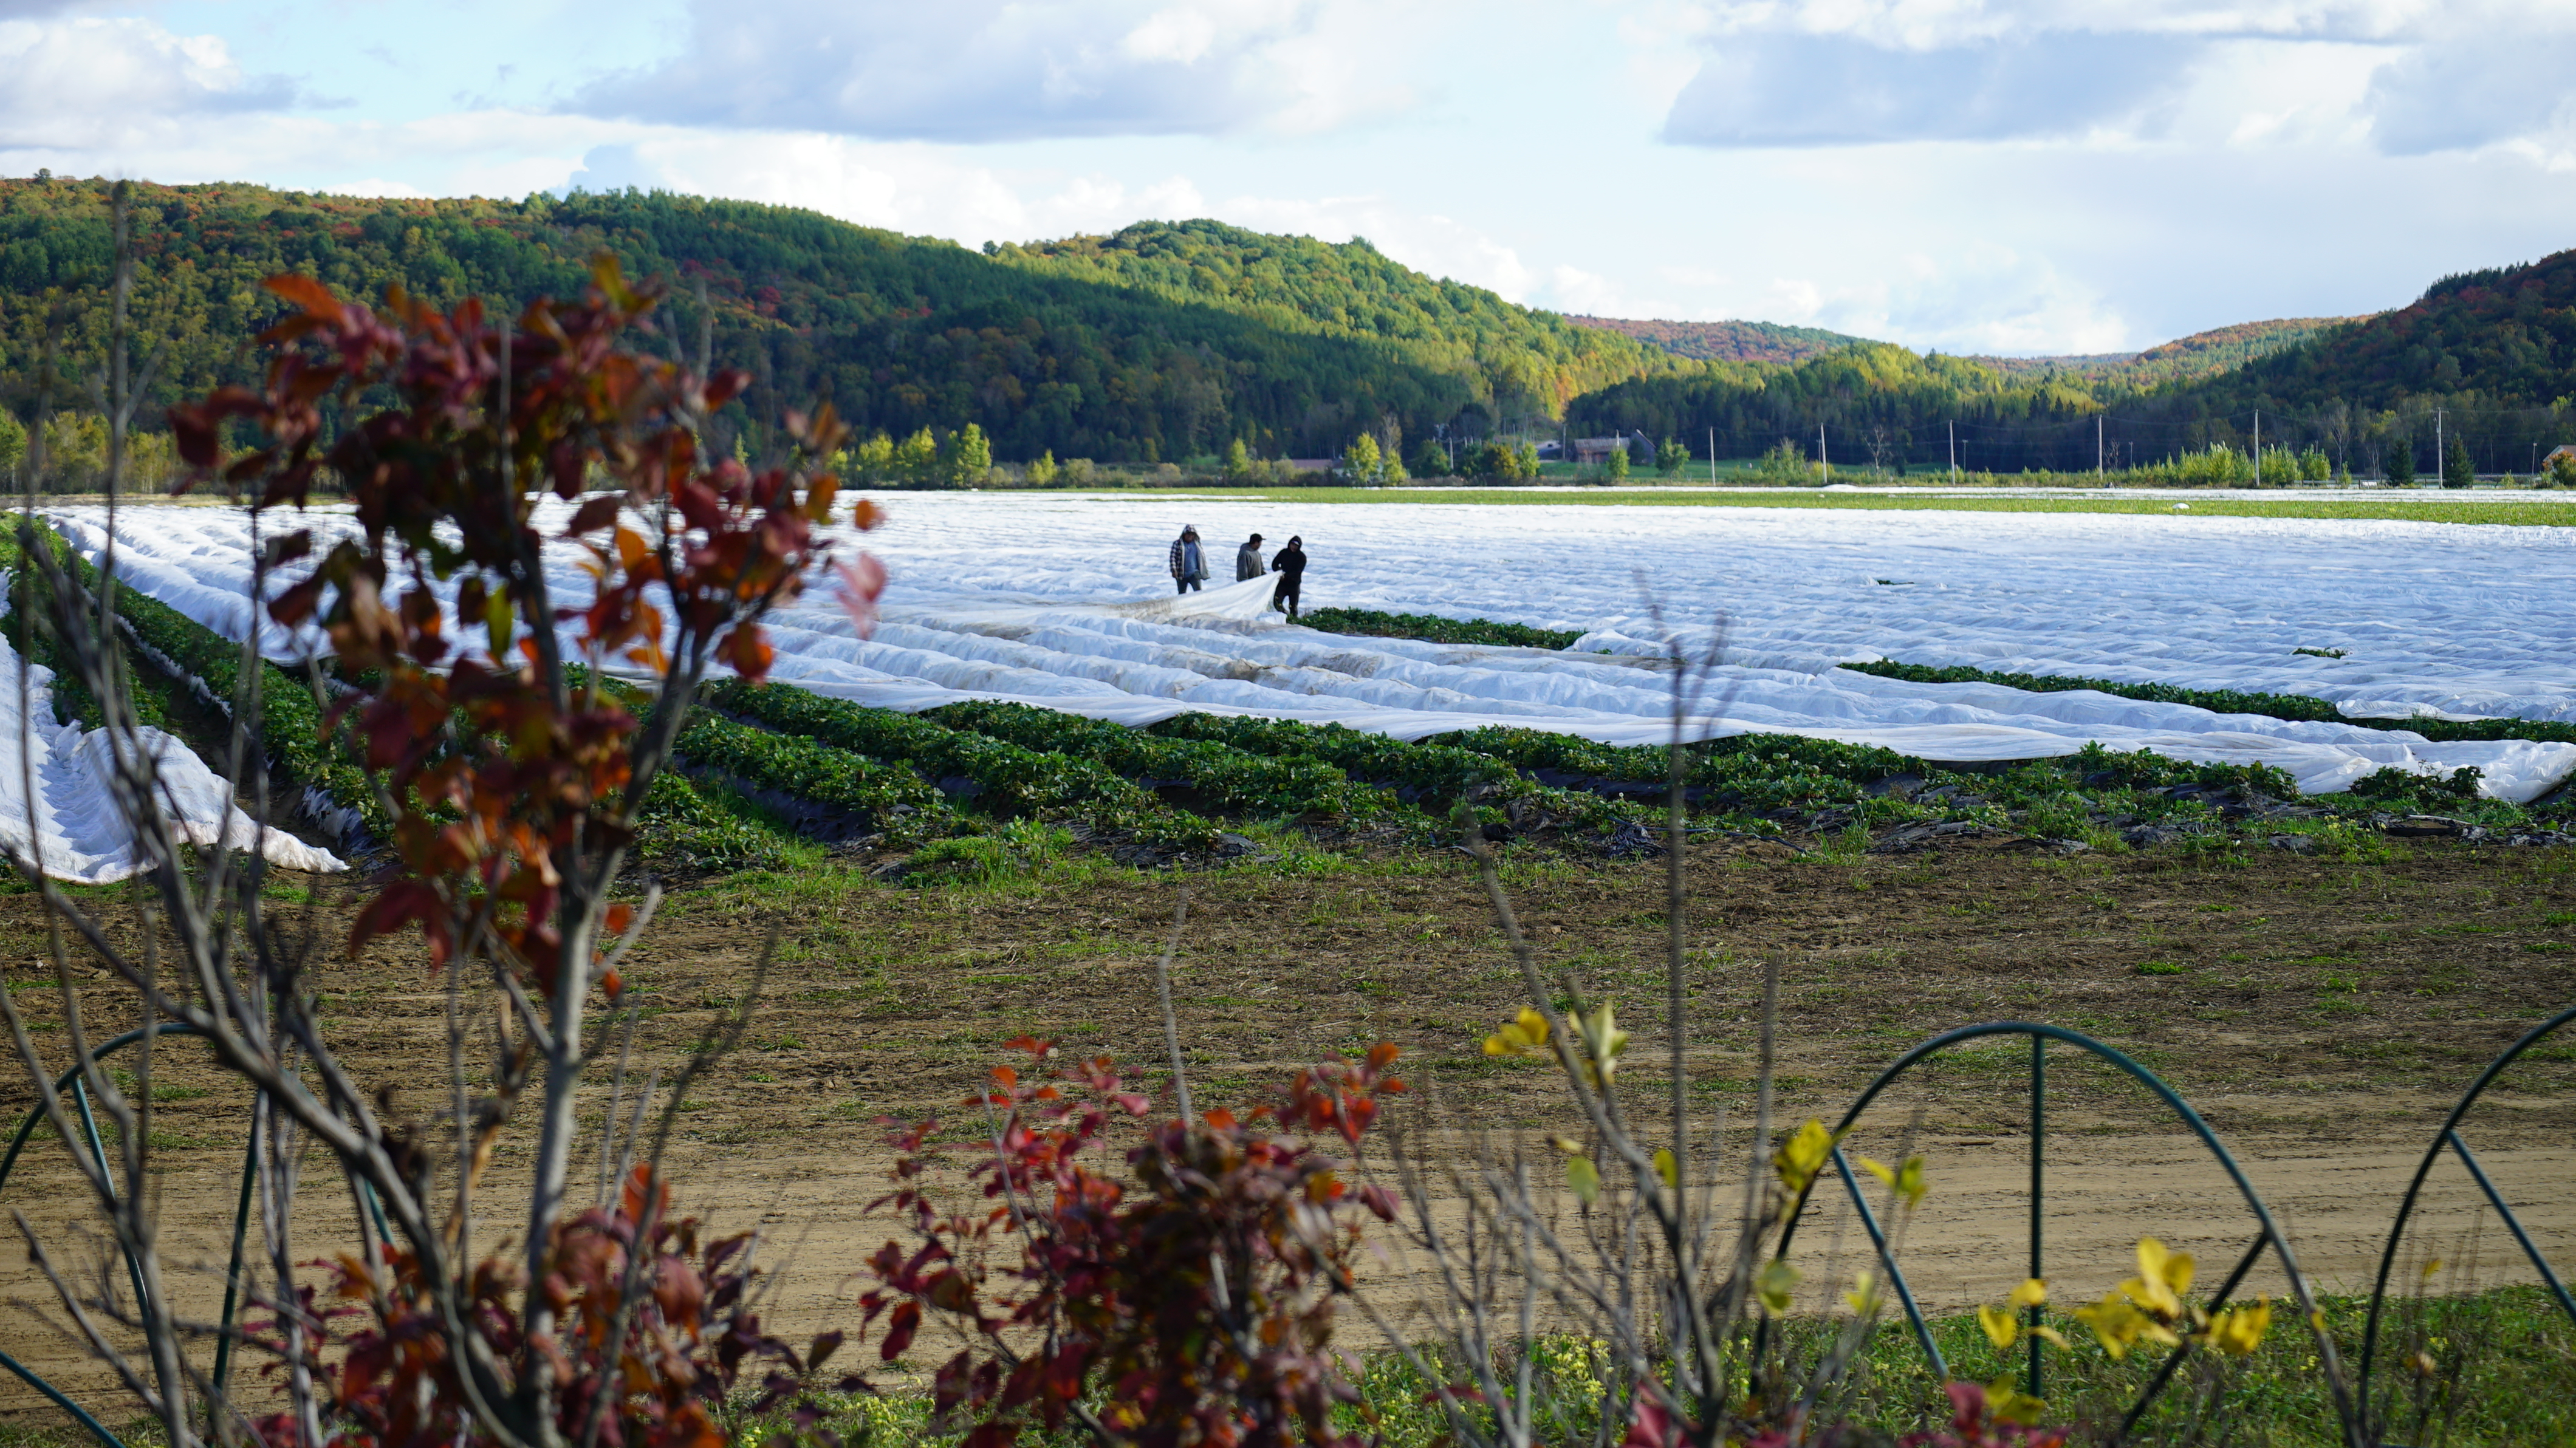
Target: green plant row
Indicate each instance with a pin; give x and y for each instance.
(2295, 707)
(687, 826)
(1433, 774)
(1222, 776)
(1370, 623)
(881, 794)
(289, 727)
(1009, 779)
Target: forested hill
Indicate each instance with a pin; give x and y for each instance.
(1537, 359)
(2502, 338)
(2494, 352)
(2185, 359)
(1727, 341)
(1161, 343)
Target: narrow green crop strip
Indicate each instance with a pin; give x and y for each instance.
(1437, 774)
(1431, 628)
(1010, 779)
(881, 794)
(1227, 778)
(2295, 707)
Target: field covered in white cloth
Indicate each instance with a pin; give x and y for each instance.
(1063, 600)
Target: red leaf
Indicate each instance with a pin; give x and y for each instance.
(598, 513)
(899, 1330)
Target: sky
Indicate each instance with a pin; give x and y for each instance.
(1984, 176)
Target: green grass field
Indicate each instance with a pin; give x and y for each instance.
(2552, 511)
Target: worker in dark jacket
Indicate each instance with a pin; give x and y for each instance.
(1247, 561)
(1189, 565)
(1290, 565)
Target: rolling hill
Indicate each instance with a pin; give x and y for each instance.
(2185, 359)
(1162, 342)
(1771, 342)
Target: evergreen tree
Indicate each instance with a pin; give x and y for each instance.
(1615, 466)
(1671, 457)
(2457, 470)
(2400, 465)
(1042, 473)
(1238, 463)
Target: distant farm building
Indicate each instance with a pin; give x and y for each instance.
(2563, 450)
(1591, 450)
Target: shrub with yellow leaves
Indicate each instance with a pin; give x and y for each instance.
(2151, 1307)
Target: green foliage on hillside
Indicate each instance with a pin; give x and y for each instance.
(2185, 359)
(1123, 349)
(1771, 342)
(1531, 362)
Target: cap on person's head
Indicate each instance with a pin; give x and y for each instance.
(1256, 537)
(1296, 542)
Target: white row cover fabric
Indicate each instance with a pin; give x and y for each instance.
(1059, 602)
(80, 835)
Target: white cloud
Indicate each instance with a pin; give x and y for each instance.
(85, 84)
(984, 70)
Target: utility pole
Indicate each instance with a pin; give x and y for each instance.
(2438, 455)
(1953, 425)
(1820, 453)
(1712, 457)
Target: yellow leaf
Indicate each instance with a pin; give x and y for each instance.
(2239, 1330)
(1863, 1297)
(1999, 1325)
(1776, 1284)
(1584, 1178)
(1519, 1036)
(1803, 1155)
(2049, 1334)
(1566, 1144)
(2169, 1270)
(2117, 1325)
(1667, 1168)
(1910, 1181)
(2011, 1405)
(2033, 1292)
(1886, 1177)
(2432, 1267)
(1603, 1044)
(497, 623)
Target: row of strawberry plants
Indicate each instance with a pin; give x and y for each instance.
(678, 824)
(289, 726)
(1008, 778)
(2294, 707)
(1222, 776)
(1438, 774)
(1432, 628)
(883, 796)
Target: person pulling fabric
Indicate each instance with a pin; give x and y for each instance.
(1247, 561)
(1290, 565)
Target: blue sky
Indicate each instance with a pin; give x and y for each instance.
(1975, 175)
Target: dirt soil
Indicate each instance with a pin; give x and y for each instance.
(2321, 1016)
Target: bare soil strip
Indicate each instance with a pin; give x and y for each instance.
(2322, 1016)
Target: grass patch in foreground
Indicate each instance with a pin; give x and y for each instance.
(2517, 1384)
(2552, 513)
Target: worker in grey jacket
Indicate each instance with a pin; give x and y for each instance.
(1248, 564)
(1189, 565)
